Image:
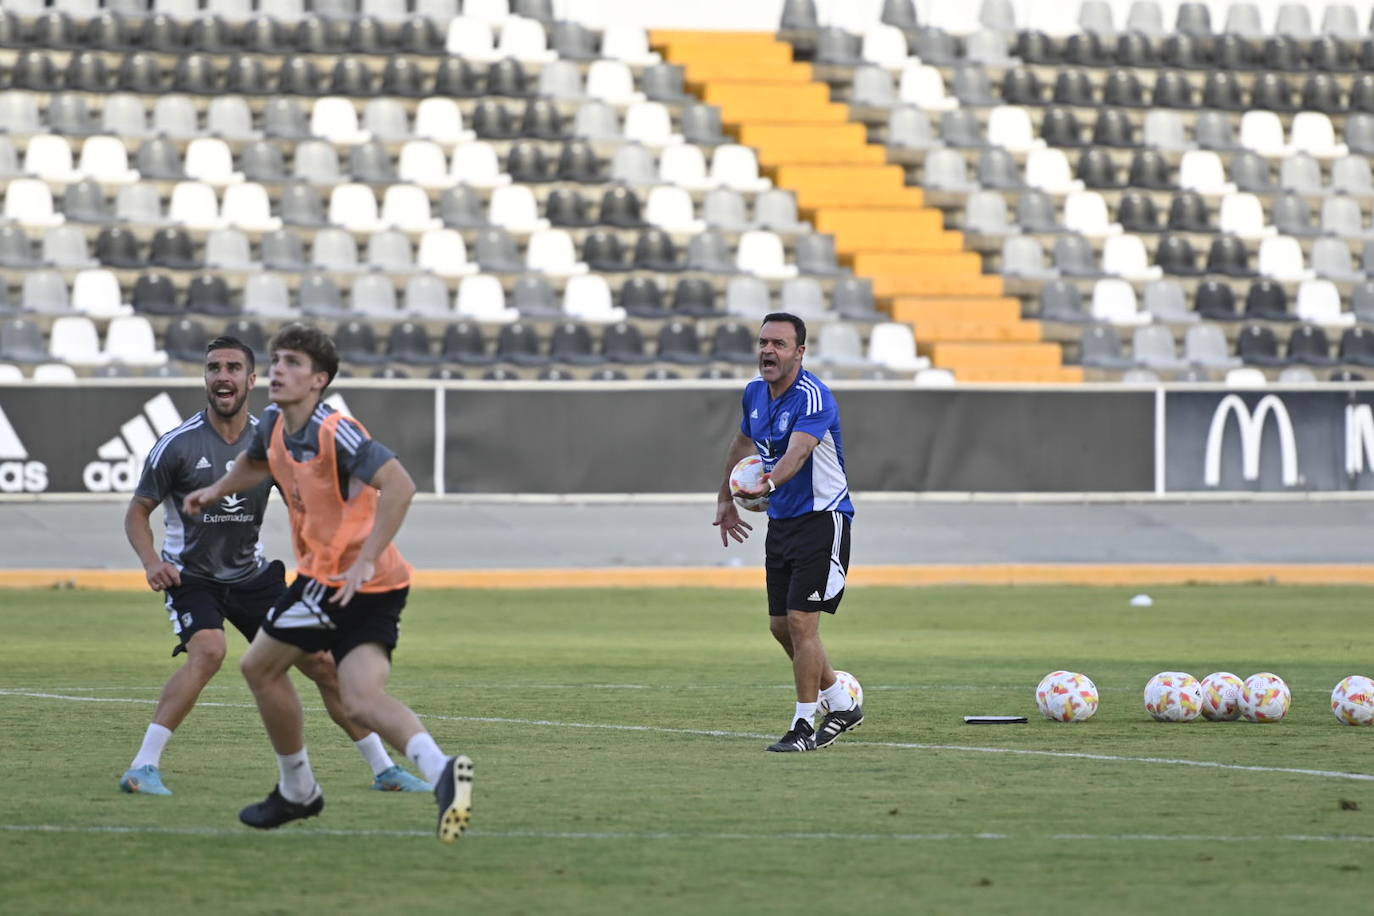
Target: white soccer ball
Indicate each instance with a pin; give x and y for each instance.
(1066, 696)
(1264, 698)
(1173, 696)
(1221, 696)
(1352, 701)
(851, 685)
(747, 474)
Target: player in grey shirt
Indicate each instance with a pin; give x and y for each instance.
(212, 567)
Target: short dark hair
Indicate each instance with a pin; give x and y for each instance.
(790, 319)
(311, 341)
(226, 342)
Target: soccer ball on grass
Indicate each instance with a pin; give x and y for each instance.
(1221, 696)
(1264, 698)
(1352, 702)
(1066, 696)
(1173, 696)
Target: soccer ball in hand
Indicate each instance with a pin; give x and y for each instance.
(1264, 698)
(851, 685)
(1221, 696)
(1066, 696)
(1173, 696)
(1352, 701)
(747, 474)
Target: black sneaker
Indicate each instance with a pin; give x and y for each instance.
(276, 810)
(837, 723)
(453, 792)
(802, 737)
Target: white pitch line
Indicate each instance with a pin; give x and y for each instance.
(755, 736)
(637, 836)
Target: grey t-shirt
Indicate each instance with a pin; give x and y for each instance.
(358, 455)
(221, 543)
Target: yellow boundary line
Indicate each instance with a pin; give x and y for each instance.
(716, 577)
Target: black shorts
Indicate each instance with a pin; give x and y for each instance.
(807, 559)
(305, 618)
(204, 604)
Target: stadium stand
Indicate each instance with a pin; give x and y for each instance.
(476, 184)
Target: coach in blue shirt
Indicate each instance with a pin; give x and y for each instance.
(791, 420)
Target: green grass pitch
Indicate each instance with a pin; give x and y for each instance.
(618, 737)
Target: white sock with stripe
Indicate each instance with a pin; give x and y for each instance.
(374, 752)
(297, 779)
(837, 697)
(426, 755)
(154, 740)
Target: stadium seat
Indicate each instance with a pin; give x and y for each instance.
(892, 345)
(73, 339)
(1152, 347)
(1114, 301)
(481, 298)
(443, 252)
(129, 340)
(227, 250)
(1319, 302)
(611, 81)
(65, 247)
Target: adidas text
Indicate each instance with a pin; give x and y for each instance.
(107, 476)
(17, 473)
(23, 477)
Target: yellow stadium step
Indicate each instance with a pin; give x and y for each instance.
(746, 70)
(869, 263)
(959, 355)
(818, 155)
(758, 47)
(940, 330)
(1022, 375)
(989, 309)
(880, 222)
(833, 177)
(896, 284)
(827, 199)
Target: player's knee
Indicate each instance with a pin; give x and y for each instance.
(205, 653)
(778, 626)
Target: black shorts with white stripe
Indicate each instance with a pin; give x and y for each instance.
(806, 559)
(308, 620)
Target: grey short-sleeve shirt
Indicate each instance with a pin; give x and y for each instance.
(221, 543)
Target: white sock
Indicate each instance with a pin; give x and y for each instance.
(425, 754)
(837, 697)
(297, 780)
(806, 712)
(154, 740)
(374, 752)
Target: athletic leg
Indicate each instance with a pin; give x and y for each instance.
(204, 656)
(810, 666)
(363, 674)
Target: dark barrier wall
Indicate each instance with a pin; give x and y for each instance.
(584, 438)
(999, 441)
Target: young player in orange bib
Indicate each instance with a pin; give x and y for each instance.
(347, 495)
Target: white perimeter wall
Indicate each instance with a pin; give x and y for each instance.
(1055, 16)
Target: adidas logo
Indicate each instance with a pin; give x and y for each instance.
(121, 458)
(754, 414)
(203, 463)
(17, 473)
(815, 596)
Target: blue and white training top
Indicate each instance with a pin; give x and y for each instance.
(808, 406)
